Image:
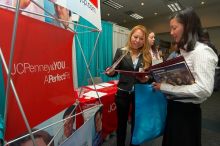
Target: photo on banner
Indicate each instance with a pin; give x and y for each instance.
(88, 9)
(29, 6)
(90, 133)
(60, 13)
(70, 132)
(82, 136)
(55, 130)
(38, 13)
(63, 130)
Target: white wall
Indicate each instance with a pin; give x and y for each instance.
(160, 24)
(214, 33)
(120, 36)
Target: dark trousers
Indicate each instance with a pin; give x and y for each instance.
(183, 124)
(123, 102)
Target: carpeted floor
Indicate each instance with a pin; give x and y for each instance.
(210, 125)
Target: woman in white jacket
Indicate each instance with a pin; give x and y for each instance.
(183, 124)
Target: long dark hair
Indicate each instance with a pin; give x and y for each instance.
(192, 28)
(153, 47)
(206, 39)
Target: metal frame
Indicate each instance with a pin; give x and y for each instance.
(9, 68)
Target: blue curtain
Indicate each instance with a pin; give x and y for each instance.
(2, 102)
(102, 57)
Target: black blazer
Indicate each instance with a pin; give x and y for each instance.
(126, 82)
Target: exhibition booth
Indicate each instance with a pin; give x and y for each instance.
(45, 65)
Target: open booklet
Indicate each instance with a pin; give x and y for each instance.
(174, 71)
(133, 73)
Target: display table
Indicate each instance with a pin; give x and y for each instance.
(107, 92)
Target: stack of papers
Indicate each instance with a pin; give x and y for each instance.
(95, 87)
(106, 84)
(94, 94)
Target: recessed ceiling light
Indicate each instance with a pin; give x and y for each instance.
(113, 4)
(142, 3)
(136, 16)
(202, 2)
(155, 13)
(108, 14)
(175, 6)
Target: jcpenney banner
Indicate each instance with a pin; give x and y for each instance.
(88, 9)
(41, 70)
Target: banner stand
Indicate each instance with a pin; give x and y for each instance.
(9, 80)
(16, 97)
(8, 70)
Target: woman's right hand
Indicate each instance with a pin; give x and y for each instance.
(143, 79)
(110, 71)
(156, 85)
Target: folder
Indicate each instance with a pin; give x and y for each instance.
(174, 71)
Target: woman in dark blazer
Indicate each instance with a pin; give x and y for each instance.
(135, 55)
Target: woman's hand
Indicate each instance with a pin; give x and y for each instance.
(143, 79)
(156, 85)
(110, 71)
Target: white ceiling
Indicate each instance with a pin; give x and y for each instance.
(147, 10)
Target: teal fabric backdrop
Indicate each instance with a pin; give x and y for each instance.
(2, 102)
(102, 57)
